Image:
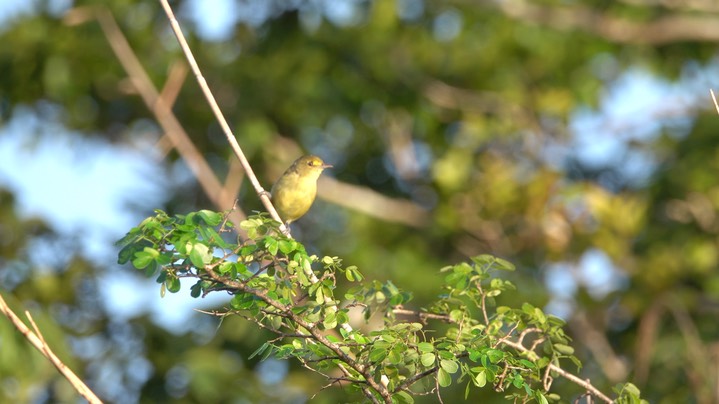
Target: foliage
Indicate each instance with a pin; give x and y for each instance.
(281, 288)
(523, 129)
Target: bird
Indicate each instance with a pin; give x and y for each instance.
(295, 191)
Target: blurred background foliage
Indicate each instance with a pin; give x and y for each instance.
(575, 139)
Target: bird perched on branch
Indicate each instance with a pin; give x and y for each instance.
(294, 192)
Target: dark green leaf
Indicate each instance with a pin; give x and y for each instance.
(377, 354)
(196, 289)
(210, 217)
(173, 284)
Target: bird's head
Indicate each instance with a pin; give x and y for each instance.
(310, 166)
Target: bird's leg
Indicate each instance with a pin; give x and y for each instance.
(286, 232)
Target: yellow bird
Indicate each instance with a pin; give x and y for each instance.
(296, 189)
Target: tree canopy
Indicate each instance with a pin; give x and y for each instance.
(575, 140)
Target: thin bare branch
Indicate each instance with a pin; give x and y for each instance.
(159, 105)
(372, 203)
(673, 27)
(264, 195)
(596, 341)
(714, 98)
(37, 340)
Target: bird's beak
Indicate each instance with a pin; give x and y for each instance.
(326, 166)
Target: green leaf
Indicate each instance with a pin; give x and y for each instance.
(495, 355)
(402, 398)
(128, 252)
(211, 236)
(539, 315)
(287, 246)
(528, 364)
(563, 349)
(480, 379)
(443, 378)
(200, 255)
(359, 338)
(343, 317)
(196, 289)
(145, 257)
(242, 302)
(457, 280)
(272, 245)
(425, 347)
(450, 366)
(553, 397)
(632, 389)
(357, 274)
(456, 315)
(444, 354)
(503, 265)
(173, 284)
(247, 250)
(260, 350)
(380, 297)
(518, 382)
(330, 321)
(503, 309)
(320, 295)
(427, 359)
(388, 338)
(395, 357)
(377, 354)
(210, 217)
(494, 293)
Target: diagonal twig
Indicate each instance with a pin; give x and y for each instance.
(264, 195)
(714, 98)
(159, 104)
(37, 340)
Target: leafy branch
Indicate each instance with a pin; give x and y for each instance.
(275, 284)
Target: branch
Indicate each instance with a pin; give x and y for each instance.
(287, 312)
(533, 357)
(411, 380)
(668, 29)
(37, 340)
(612, 366)
(423, 316)
(372, 203)
(264, 195)
(160, 106)
(518, 346)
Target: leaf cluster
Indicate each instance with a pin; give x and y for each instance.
(463, 337)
